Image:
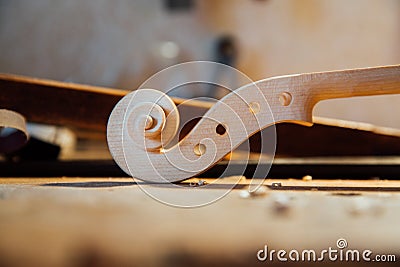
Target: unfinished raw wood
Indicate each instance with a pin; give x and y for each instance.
(91, 222)
(242, 113)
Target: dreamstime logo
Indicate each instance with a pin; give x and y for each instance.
(340, 253)
(341, 243)
(151, 107)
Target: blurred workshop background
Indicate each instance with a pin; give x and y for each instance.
(121, 43)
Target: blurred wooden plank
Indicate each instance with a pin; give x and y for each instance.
(61, 103)
(57, 225)
(331, 137)
(88, 107)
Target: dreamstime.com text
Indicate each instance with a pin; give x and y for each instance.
(339, 253)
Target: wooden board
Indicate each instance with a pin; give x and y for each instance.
(111, 222)
(62, 103)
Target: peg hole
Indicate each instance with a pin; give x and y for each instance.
(254, 107)
(221, 130)
(199, 149)
(285, 98)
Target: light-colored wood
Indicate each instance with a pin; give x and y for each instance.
(241, 113)
(67, 224)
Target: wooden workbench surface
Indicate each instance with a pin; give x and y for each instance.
(111, 221)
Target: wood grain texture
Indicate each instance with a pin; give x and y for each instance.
(241, 113)
(60, 224)
(62, 103)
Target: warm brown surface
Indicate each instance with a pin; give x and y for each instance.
(62, 103)
(53, 102)
(74, 222)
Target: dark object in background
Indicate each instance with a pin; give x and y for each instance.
(35, 150)
(12, 142)
(179, 5)
(13, 133)
(226, 51)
